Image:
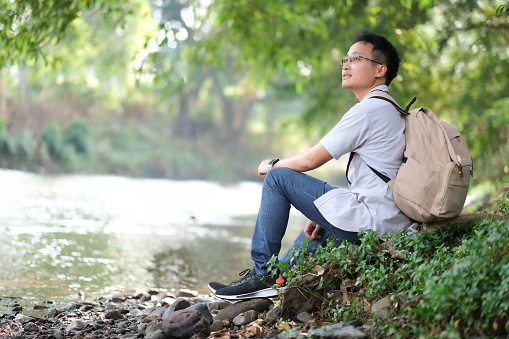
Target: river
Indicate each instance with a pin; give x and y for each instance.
(68, 237)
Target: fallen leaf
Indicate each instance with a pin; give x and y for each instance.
(284, 326)
(253, 330)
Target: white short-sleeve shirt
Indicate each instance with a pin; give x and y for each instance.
(373, 129)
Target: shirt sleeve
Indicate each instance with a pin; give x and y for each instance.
(348, 134)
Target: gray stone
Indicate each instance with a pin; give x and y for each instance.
(217, 305)
(114, 315)
(31, 327)
(158, 334)
(336, 331)
(154, 330)
(158, 312)
(272, 316)
(184, 323)
(382, 308)
(76, 325)
(245, 318)
(304, 317)
(230, 312)
(148, 311)
(202, 307)
(218, 325)
(179, 304)
(134, 312)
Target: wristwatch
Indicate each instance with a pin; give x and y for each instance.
(273, 162)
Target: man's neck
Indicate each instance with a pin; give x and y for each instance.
(361, 93)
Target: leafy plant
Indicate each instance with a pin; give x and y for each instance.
(458, 272)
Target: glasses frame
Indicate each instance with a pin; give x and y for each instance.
(349, 58)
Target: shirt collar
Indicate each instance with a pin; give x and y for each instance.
(380, 88)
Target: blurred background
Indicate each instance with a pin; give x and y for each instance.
(131, 130)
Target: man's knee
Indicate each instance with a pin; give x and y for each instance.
(276, 173)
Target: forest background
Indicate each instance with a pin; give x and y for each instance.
(206, 89)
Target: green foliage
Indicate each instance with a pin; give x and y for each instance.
(52, 140)
(503, 203)
(459, 274)
(76, 135)
(6, 142)
(27, 27)
(502, 8)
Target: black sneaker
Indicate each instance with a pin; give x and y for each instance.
(251, 285)
(214, 286)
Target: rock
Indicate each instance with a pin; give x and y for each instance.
(202, 307)
(184, 323)
(159, 334)
(76, 325)
(134, 312)
(230, 312)
(29, 327)
(245, 318)
(184, 293)
(219, 325)
(340, 330)
(304, 317)
(158, 312)
(179, 304)
(383, 307)
(272, 316)
(217, 305)
(297, 299)
(114, 315)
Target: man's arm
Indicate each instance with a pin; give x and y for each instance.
(302, 162)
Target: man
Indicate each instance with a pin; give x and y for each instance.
(373, 131)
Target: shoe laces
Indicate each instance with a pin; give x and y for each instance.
(245, 274)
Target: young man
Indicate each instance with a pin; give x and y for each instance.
(373, 130)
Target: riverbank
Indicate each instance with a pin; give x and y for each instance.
(159, 315)
(430, 284)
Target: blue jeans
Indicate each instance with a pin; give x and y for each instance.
(283, 188)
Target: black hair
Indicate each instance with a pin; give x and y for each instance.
(384, 52)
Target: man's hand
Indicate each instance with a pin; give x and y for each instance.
(264, 168)
(312, 230)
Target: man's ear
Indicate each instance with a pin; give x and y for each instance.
(380, 72)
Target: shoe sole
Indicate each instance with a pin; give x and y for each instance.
(213, 290)
(265, 293)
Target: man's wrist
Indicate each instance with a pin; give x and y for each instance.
(272, 162)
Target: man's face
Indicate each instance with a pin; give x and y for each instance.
(360, 74)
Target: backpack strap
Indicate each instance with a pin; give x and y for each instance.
(380, 175)
(378, 94)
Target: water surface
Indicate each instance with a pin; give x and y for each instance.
(67, 237)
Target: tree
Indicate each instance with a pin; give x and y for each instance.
(28, 26)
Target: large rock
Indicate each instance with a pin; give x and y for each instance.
(258, 305)
(185, 323)
(302, 296)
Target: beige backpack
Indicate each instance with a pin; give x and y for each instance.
(432, 183)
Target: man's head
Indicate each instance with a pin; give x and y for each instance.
(383, 52)
(371, 61)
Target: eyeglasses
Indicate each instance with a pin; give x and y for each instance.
(355, 58)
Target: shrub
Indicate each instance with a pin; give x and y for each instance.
(52, 140)
(76, 135)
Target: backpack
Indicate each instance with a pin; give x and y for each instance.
(432, 182)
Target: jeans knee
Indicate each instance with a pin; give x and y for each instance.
(275, 173)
